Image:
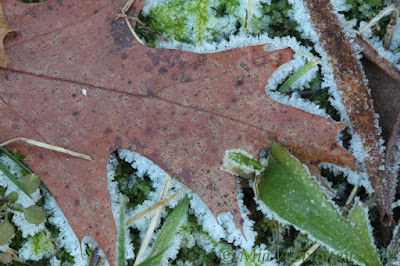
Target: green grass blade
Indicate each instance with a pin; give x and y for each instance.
(22, 166)
(167, 232)
(155, 259)
(18, 162)
(293, 78)
(121, 236)
(287, 189)
(13, 179)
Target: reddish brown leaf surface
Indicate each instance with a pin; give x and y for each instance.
(179, 109)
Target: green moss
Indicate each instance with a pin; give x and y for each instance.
(196, 254)
(226, 7)
(169, 19)
(275, 20)
(137, 192)
(42, 243)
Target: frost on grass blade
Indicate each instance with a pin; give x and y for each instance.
(168, 230)
(294, 197)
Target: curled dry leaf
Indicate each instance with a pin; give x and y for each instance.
(79, 81)
(356, 96)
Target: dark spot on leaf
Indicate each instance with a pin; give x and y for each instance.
(155, 60)
(67, 186)
(148, 68)
(121, 34)
(149, 92)
(124, 56)
(117, 142)
(75, 113)
(77, 202)
(31, 13)
(240, 83)
(137, 143)
(162, 70)
(107, 131)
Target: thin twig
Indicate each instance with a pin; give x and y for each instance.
(153, 223)
(94, 258)
(49, 147)
(128, 5)
(390, 30)
(248, 14)
(158, 204)
(307, 254)
(123, 15)
(144, 26)
(133, 31)
(277, 239)
(352, 195)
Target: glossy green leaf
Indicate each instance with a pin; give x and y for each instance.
(34, 214)
(167, 232)
(30, 182)
(6, 232)
(287, 189)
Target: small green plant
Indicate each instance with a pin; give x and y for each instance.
(33, 214)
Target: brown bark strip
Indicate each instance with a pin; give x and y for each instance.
(356, 96)
(372, 55)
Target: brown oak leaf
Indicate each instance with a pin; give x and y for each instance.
(78, 80)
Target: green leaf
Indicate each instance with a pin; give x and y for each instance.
(13, 179)
(287, 189)
(30, 182)
(34, 214)
(121, 236)
(6, 232)
(167, 232)
(154, 260)
(13, 197)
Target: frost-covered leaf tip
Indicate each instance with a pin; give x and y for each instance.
(239, 162)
